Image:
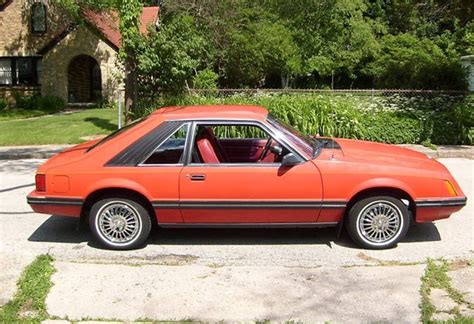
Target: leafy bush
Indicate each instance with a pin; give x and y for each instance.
(37, 102)
(23, 101)
(3, 103)
(393, 119)
(50, 103)
(205, 79)
(454, 125)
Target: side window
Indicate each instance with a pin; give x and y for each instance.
(239, 132)
(229, 143)
(171, 150)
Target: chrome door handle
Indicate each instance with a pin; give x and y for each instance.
(197, 177)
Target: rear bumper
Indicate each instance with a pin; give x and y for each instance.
(64, 206)
(428, 210)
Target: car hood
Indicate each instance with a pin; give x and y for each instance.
(380, 153)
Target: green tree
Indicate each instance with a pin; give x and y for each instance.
(257, 49)
(334, 36)
(168, 59)
(406, 61)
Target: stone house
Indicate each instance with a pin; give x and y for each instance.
(42, 49)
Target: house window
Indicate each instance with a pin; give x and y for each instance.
(5, 72)
(38, 17)
(22, 71)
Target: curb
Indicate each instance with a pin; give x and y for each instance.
(30, 152)
(444, 151)
(47, 151)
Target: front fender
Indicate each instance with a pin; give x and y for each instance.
(383, 183)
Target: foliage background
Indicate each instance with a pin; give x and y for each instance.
(411, 44)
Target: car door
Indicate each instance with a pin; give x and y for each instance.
(252, 193)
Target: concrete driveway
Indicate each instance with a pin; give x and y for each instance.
(232, 275)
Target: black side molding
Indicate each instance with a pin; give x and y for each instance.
(249, 204)
(54, 201)
(448, 202)
(247, 225)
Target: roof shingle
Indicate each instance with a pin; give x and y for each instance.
(107, 23)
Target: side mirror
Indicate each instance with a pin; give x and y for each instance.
(290, 159)
(277, 150)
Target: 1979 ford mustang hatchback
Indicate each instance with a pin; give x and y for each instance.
(237, 166)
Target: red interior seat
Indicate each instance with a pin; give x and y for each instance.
(209, 148)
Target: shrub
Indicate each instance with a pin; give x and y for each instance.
(23, 101)
(205, 79)
(37, 102)
(51, 103)
(3, 103)
(454, 125)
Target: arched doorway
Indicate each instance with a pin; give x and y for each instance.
(84, 80)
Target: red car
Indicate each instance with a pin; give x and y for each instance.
(237, 166)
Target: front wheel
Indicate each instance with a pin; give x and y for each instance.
(378, 222)
(119, 223)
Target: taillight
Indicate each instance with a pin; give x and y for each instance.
(40, 181)
(450, 188)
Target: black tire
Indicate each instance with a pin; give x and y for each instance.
(128, 229)
(384, 227)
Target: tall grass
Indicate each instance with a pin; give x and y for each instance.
(393, 119)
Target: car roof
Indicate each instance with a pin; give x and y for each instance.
(213, 112)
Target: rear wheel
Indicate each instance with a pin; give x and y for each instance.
(120, 223)
(378, 222)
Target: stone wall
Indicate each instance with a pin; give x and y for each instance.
(16, 38)
(82, 41)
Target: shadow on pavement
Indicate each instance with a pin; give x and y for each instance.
(17, 187)
(426, 232)
(66, 230)
(239, 236)
(59, 229)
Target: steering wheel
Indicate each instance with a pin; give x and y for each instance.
(265, 149)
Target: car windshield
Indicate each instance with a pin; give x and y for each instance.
(117, 132)
(309, 145)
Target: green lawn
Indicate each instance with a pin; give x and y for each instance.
(10, 114)
(58, 129)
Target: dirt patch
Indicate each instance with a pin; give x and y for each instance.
(160, 259)
(380, 262)
(27, 310)
(459, 264)
(91, 137)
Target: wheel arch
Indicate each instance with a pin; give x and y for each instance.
(391, 191)
(119, 192)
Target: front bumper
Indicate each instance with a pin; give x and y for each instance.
(428, 210)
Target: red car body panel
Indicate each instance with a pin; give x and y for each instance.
(319, 190)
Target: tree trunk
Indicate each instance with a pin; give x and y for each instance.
(130, 91)
(285, 80)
